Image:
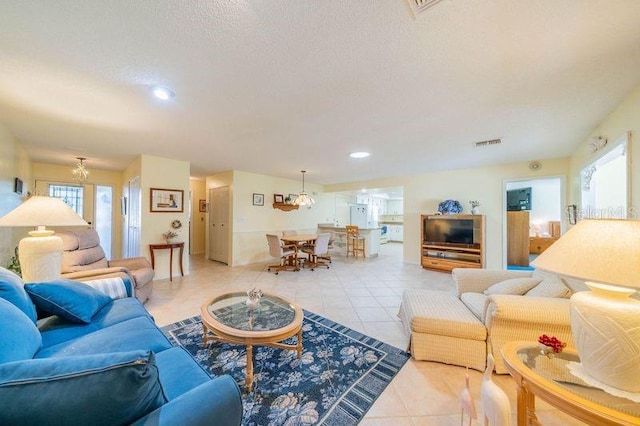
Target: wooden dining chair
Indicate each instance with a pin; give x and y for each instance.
(355, 241)
(287, 253)
(320, 248)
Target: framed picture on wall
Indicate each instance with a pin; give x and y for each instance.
(202, 206)
(167, 200)
(258, 199)
(17, 186)
(278, 198)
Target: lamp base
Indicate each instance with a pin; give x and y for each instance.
(605, 324)
(40, 258)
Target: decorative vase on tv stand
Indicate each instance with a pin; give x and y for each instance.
(450, 207)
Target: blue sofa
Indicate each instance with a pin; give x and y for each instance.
(98, 361)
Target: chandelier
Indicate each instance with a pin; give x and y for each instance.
(80, 173)
(303, 198)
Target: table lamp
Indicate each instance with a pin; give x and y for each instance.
(41, 253)
(605, 322)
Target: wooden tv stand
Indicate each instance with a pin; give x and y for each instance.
(445, 257)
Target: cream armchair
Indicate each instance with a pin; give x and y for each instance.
(83, 258)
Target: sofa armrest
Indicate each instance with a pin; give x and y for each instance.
(478, 280)
(216, 402)
(511, 318)
(131, 263)
(97, 273)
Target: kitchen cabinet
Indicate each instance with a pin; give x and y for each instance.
(395, 233)
(394, 207)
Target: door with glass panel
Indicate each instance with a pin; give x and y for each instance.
(93, 202)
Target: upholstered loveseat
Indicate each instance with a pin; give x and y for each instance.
(488, 309)
(98, 361)
(83, 258)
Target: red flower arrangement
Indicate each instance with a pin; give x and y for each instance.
(556, 345)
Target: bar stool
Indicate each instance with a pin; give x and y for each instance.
(355, 241)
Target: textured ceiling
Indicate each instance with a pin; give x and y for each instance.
(274, 87)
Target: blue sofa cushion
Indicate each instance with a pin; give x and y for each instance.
(19, 337)
(56, 330)
(134, 334)
(71, 300)
(106, 389)
(12, 289)
(172, 364)
(216, 402)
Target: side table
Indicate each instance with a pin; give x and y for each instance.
(170, 247)
(550, 379)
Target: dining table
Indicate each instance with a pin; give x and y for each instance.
(300, 240)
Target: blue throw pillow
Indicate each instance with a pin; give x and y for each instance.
(19, 337)
(105, 389)
(12, 289)
(71, 300)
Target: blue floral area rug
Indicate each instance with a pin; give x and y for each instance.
(339, 377)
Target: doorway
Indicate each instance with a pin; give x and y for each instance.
(219, 226)
(532, 217)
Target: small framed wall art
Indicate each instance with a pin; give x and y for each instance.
(278, 198)
(17, 186)
(202, 206)
(167, 200)
(258, 199)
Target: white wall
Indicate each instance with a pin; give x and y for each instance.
(163, 173)
(423, 193)
(14, 163)
(198, 219)
(251, 223)
(624, 118)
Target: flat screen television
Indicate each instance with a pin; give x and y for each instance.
(519, 199)
(448, 231)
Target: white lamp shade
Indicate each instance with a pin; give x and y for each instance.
(41, 254)
(42, 211)
(602, 250)
(605, 322)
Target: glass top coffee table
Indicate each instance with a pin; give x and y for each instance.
(228, 318)
(549, 378)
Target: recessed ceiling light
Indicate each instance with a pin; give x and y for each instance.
(163, 93)
(359, 154)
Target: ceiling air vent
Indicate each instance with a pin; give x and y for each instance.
(488, 143)
(419, 6)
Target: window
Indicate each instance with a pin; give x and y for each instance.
(605, 185)
(72, 195)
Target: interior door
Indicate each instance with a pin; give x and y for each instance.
(133, 218)
(518, 238)
(219, 224)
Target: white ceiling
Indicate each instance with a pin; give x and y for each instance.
(274, 87)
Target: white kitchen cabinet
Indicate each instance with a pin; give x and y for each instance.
(395, 233)
(394, 207)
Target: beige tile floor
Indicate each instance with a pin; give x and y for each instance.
(364, 295)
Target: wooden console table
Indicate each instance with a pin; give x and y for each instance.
(169, 246)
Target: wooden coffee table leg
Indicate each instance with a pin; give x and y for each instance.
(249, 379)
(205, 335)
(300, 344)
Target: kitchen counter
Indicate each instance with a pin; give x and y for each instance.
(391, 219)
(371, 238)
